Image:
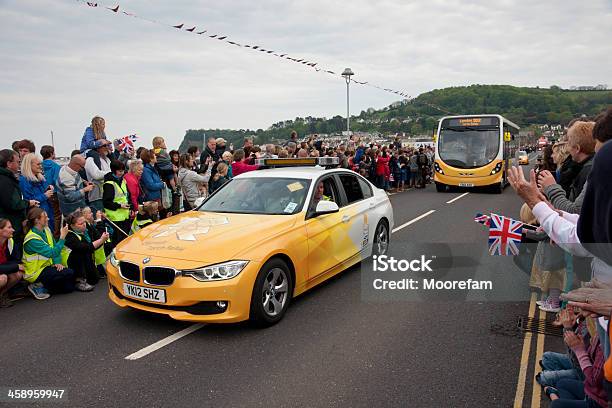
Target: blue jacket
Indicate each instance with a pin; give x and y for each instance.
(89, 142)
(151, 183)
(35, 190)
(358, 154)
(51, 170)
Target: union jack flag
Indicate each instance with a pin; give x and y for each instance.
(126, 143)
(482, 219)
(504, 235)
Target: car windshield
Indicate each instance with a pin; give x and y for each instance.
(467, 147)
(522, 153)
(259, 195)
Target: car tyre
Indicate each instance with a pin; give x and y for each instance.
(272, 294)
(380, 245)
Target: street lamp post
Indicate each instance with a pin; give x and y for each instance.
(347, 73)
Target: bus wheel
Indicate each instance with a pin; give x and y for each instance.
(497, 188)
(440, 187)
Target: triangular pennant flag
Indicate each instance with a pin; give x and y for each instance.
(191, 30)
(283, 55)
(90, 4)
(270, 52)
(201, 32)
(222, 38)
(116, 9)
(255, 47)
(179, 26)
(213, 36)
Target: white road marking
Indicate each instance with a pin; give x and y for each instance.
(456, 198)
(164, 342)
(412, 221)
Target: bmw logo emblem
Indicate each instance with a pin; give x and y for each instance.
(146, 260)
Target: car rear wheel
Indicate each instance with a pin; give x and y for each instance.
(381, 239)
(271, 293)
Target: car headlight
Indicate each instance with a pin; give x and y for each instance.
(222, 271)
(497, 168)
(113, 259)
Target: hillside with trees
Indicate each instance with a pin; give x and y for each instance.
(524, 106)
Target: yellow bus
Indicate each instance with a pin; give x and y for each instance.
(474, 151)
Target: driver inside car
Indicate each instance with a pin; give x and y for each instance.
(319, 194)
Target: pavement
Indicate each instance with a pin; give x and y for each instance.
(331, 349)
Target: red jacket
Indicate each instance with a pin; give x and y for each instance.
(242, 167)
(382, 166)
(133, 186)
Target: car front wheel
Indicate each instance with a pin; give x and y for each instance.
(271, 293)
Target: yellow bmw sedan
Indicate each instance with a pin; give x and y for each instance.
(260, 240)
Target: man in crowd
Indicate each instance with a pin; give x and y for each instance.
(209, 151)
(12, 205)
(70, 187)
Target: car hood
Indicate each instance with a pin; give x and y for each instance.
(203, 236)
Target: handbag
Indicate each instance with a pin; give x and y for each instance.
(166, 197)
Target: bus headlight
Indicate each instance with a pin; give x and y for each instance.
(497, 168)
(437, 168)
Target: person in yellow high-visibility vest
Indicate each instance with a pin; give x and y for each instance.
(95, 229)
(11, 271)
(116, 201)
(42, 257)
(147, 214)
(80, 251)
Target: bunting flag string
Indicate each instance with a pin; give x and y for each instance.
(285, 56)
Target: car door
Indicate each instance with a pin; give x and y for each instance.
(327, 233)
(357, 205)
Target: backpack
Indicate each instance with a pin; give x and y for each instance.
(422, 159)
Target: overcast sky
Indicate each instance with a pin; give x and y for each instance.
(62, 62)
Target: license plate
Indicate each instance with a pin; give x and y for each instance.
(466, 184)
(148, 294)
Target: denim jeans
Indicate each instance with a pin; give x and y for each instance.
(557, 367)
(571, 395)
(57, 281)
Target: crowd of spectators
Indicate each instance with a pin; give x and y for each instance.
(569, 197)
(58, 223)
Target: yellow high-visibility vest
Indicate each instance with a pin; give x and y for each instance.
(120, 214)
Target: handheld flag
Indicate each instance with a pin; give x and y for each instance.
(482, 219)
(126, 143)
(504, 235)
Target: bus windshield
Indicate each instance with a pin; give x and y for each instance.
(468, 147)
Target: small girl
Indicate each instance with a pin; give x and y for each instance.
(164, 162)
(148, 213)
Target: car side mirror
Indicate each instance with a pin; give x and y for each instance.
(199, 201)
(326, 207)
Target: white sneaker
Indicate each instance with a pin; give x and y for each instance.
(83, 286)
(541, 302)
(548, 307)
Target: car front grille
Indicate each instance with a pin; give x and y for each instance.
(129, 271)
(157, 275)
